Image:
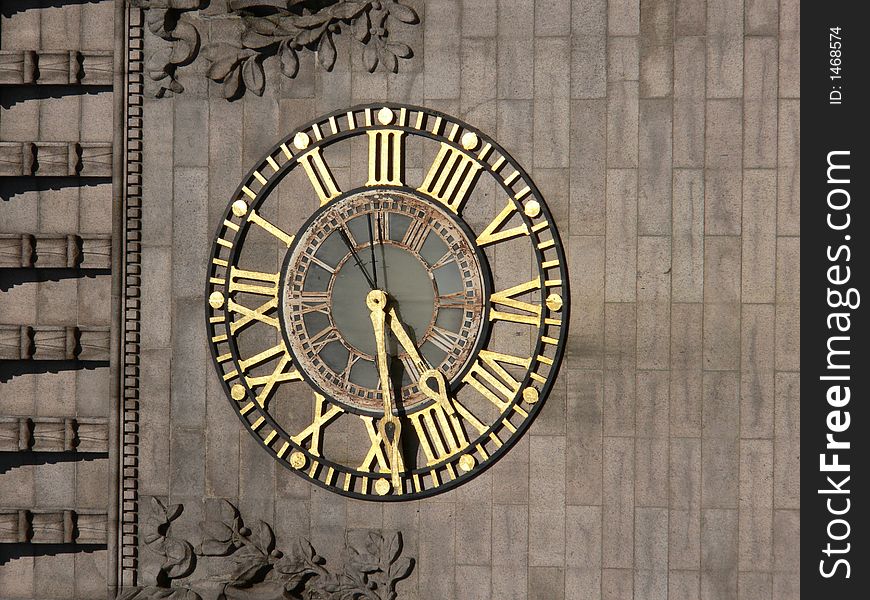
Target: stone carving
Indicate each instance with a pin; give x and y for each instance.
(53, 434)
(48, 342)
(281, 28)
(54, 251)
(55, 159)
(56, 67)
(23, 526)
(257, 569)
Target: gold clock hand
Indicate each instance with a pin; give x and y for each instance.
(389, 425)
(405, 341)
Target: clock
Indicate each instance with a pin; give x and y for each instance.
(387, 302)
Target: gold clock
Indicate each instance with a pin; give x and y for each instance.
(387, 302)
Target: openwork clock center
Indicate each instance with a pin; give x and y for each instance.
(404, 334)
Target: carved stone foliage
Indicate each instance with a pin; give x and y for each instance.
(281, 28)
(252, 567)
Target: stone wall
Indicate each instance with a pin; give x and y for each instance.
(56, 132)
(664, 135)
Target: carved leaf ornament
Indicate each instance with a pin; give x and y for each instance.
(281, 28)
(257, 570)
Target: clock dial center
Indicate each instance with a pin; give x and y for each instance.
(424, 261)
(406, 282)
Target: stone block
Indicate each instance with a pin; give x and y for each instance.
(552, 104)
(583, 528)
(552, 17)
(755, 515)
(760, 103)
(721, 298)
(441, 48)
(546, 501)
(585, 345)
(588, 167)
(653, 302)
(617, 584)
(621, 241)
(623, 58)
(759, 236)
(583, 444)
(655, 172)
(788, 293)
(588, 16)
(651, 472)
(719, 544)
(190, 236)
(436, 559)
(473, 533)
(788, 206)
(755, 586)
(473, 582)
(510, 475)
(618, 494)
(725, 49)
(687, 253)
(622, 125)
(686, 365)
(95, 110)
(190, 357)
(479, 70)
(546, 583)
(588, 66)
(582, 584)
(684, 584)
(619, 369)
(652, 403)
(757, 376)
(623, 17)
(479, 18)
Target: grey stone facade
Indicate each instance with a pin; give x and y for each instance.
(664, 135)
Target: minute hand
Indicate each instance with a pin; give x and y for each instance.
(405, 341)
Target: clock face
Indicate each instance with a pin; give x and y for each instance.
(387, 302)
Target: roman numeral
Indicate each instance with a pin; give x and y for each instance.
(491, 233)
(444, 339)
(377, 451)
(385, 157)
(319, 341)
(412, 368)
(440, 434)
(450, 177)
(318, 173)
(249, 316)
(267, 283)
(416, 235)
(530, 313)
(321, 419)
(278, 375)
(456, 300)
(279, 233)
(315, 302)
(486, 369)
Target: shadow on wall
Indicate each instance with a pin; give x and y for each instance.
(14, 186)
(9, 278)
(10, 8)
(14, 368)
(11, 96)
(12, 551)
(13, 460)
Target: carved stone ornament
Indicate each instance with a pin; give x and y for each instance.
(256, 570)
(269, 27)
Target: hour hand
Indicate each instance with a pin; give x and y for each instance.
(389, 426)
(404, 339)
